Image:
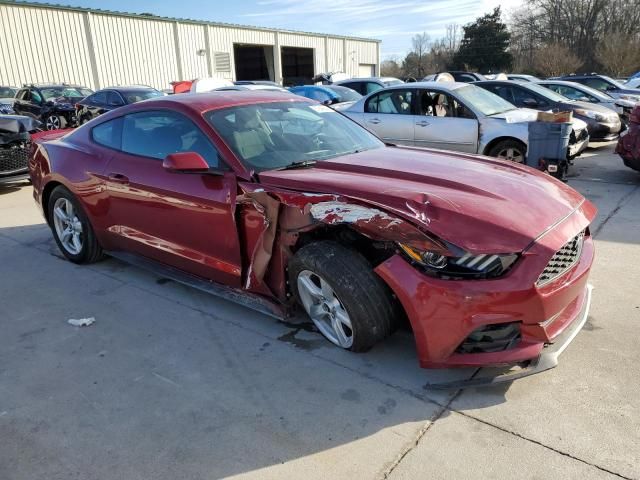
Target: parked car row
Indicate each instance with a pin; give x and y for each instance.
(453, 116)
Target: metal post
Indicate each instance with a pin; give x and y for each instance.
(176, 42)
(92, 52)
(277, 60)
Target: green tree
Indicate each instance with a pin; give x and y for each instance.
(484, 46)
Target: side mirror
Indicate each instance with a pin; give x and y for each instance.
(188, 162)
(530, 102)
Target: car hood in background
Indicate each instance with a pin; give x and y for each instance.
(586, 106)
(481, 204)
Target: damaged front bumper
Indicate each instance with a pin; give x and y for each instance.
(547, 360)
(507, 321)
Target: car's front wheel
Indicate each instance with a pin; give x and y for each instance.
(71, 228)
(348, 303)
(55, 122)
(511, 150)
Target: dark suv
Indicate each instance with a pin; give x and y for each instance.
(110, 98)
(604, 84)
(51, 104)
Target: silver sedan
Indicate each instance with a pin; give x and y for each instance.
(452, 116)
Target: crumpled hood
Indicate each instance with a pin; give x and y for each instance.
(481, 204)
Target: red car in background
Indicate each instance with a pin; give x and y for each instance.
(274, 200)
(628, 146)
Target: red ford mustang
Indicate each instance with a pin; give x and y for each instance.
(273, 200)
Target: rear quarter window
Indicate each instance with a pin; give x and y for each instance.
(108, 134)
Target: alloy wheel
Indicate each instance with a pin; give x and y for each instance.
(511, 154)
(325, 309)
(53, 122)
(68, 226)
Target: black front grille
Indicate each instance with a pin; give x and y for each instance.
(14, 159)
(563, 260)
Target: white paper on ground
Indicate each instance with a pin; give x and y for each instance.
(81, 322)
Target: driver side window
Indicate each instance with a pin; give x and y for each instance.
(439, 104)
(396, 101)
(35, 97)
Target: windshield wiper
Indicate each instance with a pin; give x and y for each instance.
(294, 165)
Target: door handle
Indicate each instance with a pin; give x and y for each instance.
(118, 178)
(375, 121)
(422, 123)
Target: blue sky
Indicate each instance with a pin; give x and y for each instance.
(393, 22)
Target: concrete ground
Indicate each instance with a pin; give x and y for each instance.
(170, 383)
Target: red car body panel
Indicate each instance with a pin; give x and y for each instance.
(238, 231)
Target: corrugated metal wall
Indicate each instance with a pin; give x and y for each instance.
(44, 44)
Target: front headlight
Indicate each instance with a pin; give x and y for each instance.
(632, 98)
(598, 117)
(465, 266)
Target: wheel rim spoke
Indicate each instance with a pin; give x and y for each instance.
(324, 309)
(310, 287)
(60, 214)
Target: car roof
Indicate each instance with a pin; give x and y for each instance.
(128, 88)
(367, 79)
(204, 102)
(54, 85)
(450, 86)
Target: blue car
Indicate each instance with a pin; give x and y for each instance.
(327, 94)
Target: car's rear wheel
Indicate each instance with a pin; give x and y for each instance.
(348, 303)
(511, 150)
(71, 228)
(55, 122)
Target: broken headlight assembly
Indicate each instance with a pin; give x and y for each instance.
(466, 266)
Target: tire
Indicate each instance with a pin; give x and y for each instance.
(504, 148)
(55, 122)
(357, 291)
(87, 250)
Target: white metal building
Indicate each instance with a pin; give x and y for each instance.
(97, 48)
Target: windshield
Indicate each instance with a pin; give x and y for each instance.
(6, 92)
(139, 95)
(483, 101)
(67, 92)
(615, 82)
(591, 91)
(345, 94)
(274, 135)
(545, 92)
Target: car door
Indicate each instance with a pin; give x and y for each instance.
(19, 105)
(93, 106)
(184, 220)
(444, 122)
(35, 106)
(389, 115)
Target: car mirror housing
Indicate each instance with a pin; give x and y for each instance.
(187, 162)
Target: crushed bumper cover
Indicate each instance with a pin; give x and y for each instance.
(547, 360)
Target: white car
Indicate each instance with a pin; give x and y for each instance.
(453, 116)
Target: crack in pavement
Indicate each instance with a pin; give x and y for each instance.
(621, 203)
(536, 442)
(386, 473)
(402, 390)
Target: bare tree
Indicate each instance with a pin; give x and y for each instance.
(391, 67)
(555, 59)
(619, 54)
(415, 63)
